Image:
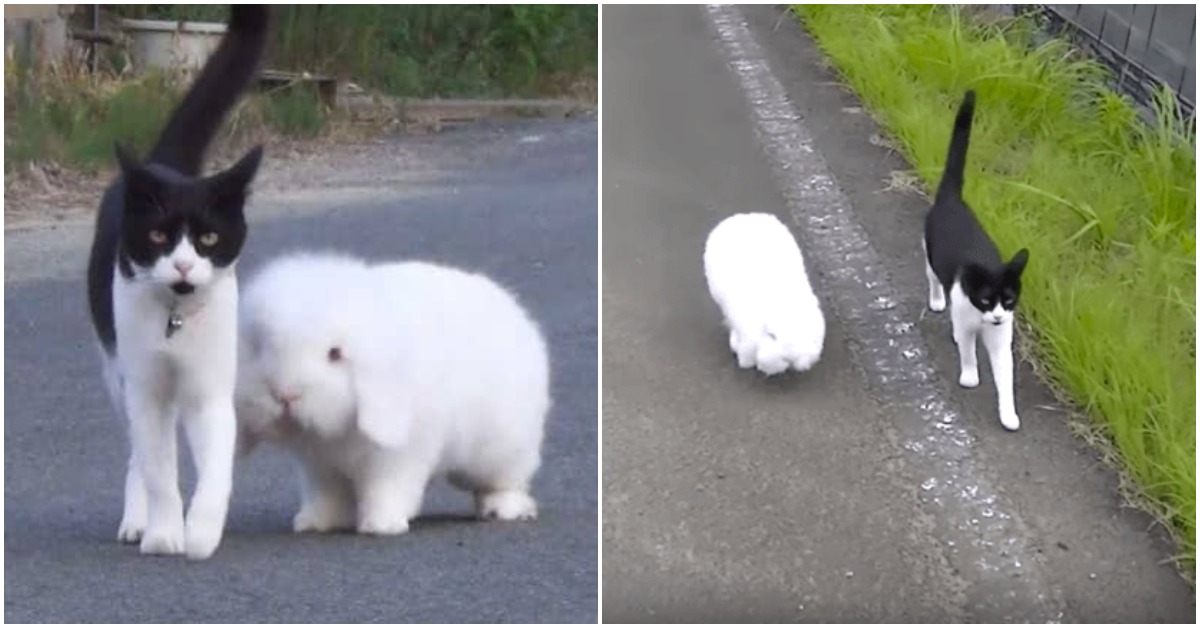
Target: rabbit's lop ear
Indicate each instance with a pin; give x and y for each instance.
(384, 406)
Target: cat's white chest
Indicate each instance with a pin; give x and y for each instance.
(203, 343)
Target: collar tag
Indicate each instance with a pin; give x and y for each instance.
(174, 322)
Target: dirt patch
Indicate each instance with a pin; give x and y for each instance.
(45, 195)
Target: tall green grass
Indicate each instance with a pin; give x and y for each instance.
(62, 114)
(67, 115)
(425, 50)
(1105, 203)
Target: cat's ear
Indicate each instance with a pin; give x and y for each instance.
(1017, 265)
(232, 184)
(141, 188)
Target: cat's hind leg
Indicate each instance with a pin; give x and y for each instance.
(211, 431)
(937, 294)
(997, 339)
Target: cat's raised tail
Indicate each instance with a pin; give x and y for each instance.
(956, 158)
(229, 71)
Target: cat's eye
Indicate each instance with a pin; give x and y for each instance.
(335, 354)
(158, 237)
(208, 239)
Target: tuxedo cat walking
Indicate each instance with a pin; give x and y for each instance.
(164, 297)
(963, 261)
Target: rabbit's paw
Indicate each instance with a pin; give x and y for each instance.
(506, 506)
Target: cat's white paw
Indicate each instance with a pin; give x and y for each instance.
(203, 537)
(969, 379)
(323, 518)
(163, 540)
(937, 305)
(383, 524)
(1011, 422)
(131, 530)
(507, 506)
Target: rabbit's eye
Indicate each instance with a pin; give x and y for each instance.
(771, 336)
(335, 354)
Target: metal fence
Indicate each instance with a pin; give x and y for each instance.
(1144, 44)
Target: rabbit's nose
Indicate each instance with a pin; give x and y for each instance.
(284, 396)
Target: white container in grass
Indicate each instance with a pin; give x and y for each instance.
(171, 44)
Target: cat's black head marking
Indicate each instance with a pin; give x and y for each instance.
(989, 287)
(163, 206)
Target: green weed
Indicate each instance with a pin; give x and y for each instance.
(425, 50)
(1105, 203)
(296, 111)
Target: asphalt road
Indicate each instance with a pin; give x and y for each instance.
(517, 201)
(872, 488)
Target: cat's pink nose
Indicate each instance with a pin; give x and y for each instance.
(183, 267)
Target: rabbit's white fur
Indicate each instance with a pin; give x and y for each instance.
(756, 275)
(440, 372)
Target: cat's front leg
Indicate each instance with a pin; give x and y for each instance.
(133, 520)
(133, 515)
(963, 320)
(968, 362)
(211, 431)
(326, 500)
(390, 496)
(997, 339)
(152, 435)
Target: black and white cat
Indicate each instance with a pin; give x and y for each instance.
(164, 300)
(962, 260)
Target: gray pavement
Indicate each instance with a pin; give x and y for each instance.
(517, 201)
(835, 495)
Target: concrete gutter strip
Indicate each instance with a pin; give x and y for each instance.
(998, 572)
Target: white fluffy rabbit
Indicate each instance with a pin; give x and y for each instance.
(756, 275)
(381, 377)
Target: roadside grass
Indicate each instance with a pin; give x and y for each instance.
(66, 116)
(424, 51)
(1105, 203)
